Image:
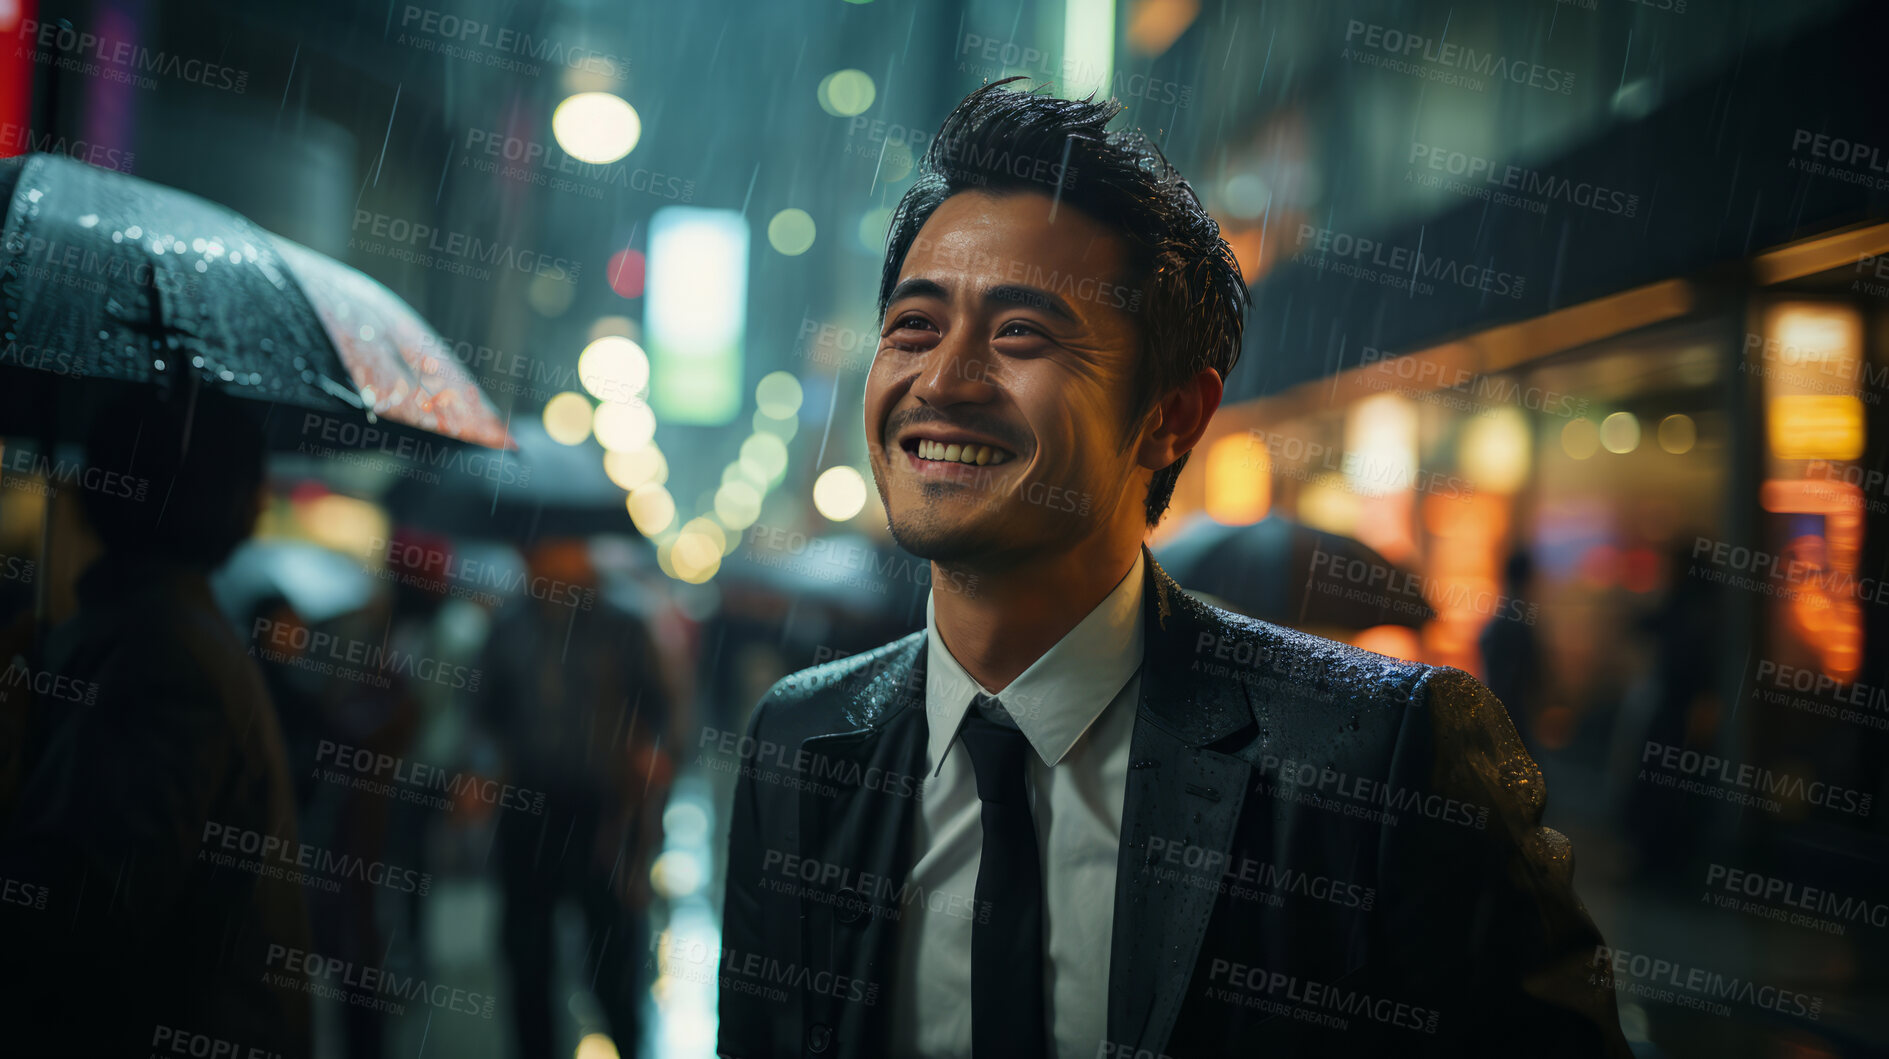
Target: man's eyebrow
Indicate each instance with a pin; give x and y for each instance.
(1035, 297)
(918, 287)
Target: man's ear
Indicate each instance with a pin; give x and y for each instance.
(1180, 419)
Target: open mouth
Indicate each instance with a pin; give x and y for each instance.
(924, 450)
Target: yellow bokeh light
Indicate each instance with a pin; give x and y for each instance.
(614, 369)
(596, 127)
(791, 232)
(1816, 427)
(737, 504)
(1677, 434)
(567, 418)
(596, 1046)
(1620, 433)
(839, 493)
(1494, 450)
(697, 551)
(636, 468)
(845, 93)
(766, 455)
(623, 427)
(651, 508)
(778, 394)
(1239, 480)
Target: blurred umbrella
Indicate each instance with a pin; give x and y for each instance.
(546, 489)
(1290, 574)
(320, 584)
(109, 281)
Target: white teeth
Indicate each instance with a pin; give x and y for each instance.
(976, 455)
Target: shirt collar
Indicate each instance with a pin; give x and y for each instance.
(1062, 693)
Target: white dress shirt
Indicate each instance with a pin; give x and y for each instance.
(1076, 705)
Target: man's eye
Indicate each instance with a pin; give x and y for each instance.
(1017, 328)
(905, 322)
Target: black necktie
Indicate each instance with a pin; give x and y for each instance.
(1007, 935)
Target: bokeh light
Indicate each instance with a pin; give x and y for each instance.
(1580, 438)
(614, 369)
(1620, 433)
(626, 272)
(636, 468)
(839, 493)
(846, 93)
(651, 508)
(624, 425)
(737, 504)
(791, 232)
(778, 394)
(596, 127)
(1677, 434)
(567, 418)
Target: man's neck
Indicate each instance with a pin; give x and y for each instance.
(1015, 618)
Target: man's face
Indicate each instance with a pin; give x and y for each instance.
(1006, 338)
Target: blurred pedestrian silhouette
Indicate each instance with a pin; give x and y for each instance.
(151, 740)
(1511, 654)
(576, 700)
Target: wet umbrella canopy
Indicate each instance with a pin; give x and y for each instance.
(1288, 573)
(108, 279)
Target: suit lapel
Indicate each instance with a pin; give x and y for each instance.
(1179, 795)
(856, 826)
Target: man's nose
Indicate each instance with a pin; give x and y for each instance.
(958, 369)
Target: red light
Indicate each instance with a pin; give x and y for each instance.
(625, 273)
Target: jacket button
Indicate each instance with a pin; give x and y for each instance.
(850, 906)
(820, 1037)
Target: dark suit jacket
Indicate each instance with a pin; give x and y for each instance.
(1323, 852)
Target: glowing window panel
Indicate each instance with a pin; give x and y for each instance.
(695, 314)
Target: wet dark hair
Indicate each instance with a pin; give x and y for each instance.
(186, 475)
(1192, 299)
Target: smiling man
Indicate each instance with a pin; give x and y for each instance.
(1083, 814)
